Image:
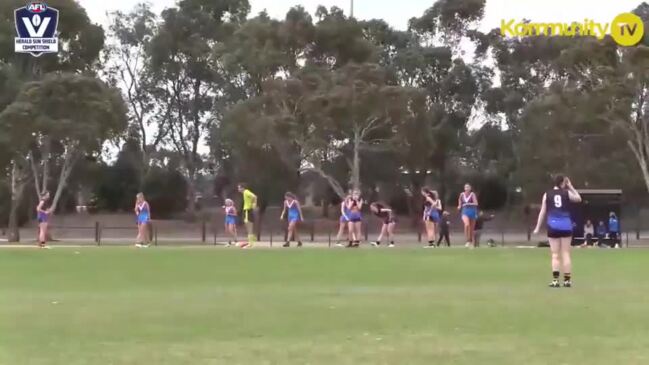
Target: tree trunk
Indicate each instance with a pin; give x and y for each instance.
(13, 234)
(335, 185)
(443, 189)
(355, 181)
(70, 159)
(144, 169)
(46, 154)
(191, 196)
(18, 182)
(414, 201)
(638, 152)
(37, 183)
(325, 208)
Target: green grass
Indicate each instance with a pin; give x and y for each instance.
(119, 306)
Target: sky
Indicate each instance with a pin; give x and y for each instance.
(397, 13)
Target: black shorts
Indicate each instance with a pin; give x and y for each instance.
(553, 233)
(389, 221)
(249, 216)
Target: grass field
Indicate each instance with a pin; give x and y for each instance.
(119, 306)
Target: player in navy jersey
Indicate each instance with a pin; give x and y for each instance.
(556, 204)
(386, 214)
(293, 212)
(432, 209)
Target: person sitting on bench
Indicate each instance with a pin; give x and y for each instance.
(589, 233)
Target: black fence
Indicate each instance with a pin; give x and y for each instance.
(323, 233)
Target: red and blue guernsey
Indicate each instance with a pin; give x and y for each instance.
(557, 203)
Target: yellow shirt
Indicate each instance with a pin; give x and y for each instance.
(249, 200)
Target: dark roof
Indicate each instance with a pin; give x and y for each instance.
(600, 191)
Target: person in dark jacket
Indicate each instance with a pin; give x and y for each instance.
(614, 229)
(444, 229)
(601, 231)
(479, 223)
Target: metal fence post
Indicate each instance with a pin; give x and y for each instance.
(155, 235)
(97, 238)
(203, 231)
(285, 227)
(312, 231)
(329, 238)
(502, 237)
(367, 228)
(151, 228)
(215, 228)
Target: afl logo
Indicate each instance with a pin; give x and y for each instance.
(36, 27)
(36, 8)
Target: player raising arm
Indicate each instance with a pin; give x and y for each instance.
(43, 212)
(556, 205)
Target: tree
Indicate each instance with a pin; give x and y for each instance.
(364, 107)
(624, 91)
(620, 83)
(427, 58)
(567, 94)
(129, 68)
(14, 144)
(80, 44)
(75, 114)
(273, 63)
(320, 115)
(187, 78)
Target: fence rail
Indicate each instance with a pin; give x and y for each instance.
(209, 233)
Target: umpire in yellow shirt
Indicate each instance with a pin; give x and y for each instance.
(249, 207)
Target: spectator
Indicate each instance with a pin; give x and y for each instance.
(601, 233)
(479, 223)
(589, 233)
(614, 230)
(444, 229)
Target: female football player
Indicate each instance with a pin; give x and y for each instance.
(292, 206)
(43, 211)
(467, 203)
(344, 221)
(384, 212)
(355, 205)
(432, 209)
(556, 204)
(143, 214)
(231, 221)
